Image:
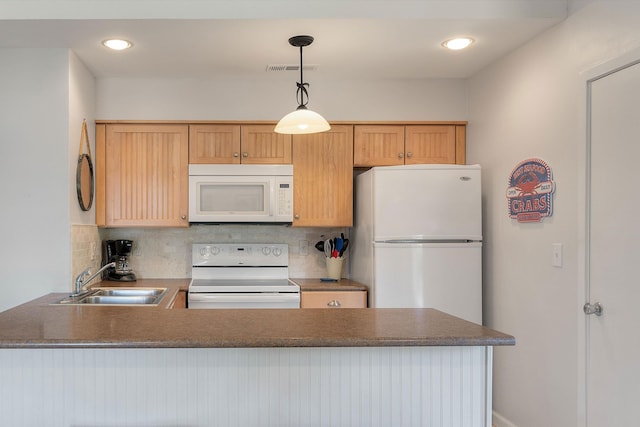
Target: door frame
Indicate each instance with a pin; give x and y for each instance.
(588, 77)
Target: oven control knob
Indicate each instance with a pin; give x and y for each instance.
(266, 250)
(277, 251)
(215, 250)
(204, 251)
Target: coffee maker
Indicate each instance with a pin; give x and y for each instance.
(117, 251)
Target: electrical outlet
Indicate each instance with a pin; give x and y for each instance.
(93, 251)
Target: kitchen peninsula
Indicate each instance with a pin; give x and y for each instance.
(157, 366)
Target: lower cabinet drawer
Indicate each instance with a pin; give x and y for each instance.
(333, 299)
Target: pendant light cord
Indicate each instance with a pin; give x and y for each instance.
(302, 95)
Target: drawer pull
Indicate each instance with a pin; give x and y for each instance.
(334, 303)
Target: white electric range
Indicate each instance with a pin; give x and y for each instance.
(241, 275)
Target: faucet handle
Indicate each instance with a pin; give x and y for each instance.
(84, 274)
(85, 277)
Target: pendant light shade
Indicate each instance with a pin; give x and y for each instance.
(302, 120)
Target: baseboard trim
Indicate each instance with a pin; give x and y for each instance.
(501, 421)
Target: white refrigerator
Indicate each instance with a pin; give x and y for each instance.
(417, 238)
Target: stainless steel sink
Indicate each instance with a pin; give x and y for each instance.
(130, 292)
(117, 296)
(108, 299)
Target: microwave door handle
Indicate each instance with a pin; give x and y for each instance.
(272, 196)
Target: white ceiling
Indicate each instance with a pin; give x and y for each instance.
(393, 39)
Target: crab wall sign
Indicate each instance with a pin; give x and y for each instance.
(530, 191)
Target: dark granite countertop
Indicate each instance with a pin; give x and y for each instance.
(39, 324)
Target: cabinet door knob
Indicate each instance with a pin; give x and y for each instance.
(297, 216)
(409, 154)
(183, 217)
(400, 155)
(245, 154)
(334, 303)
(235, 154)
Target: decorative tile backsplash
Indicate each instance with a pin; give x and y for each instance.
(166, 252)
(85, 248)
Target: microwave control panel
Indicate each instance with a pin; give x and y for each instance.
(285, 198)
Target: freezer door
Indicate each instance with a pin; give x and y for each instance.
(446, 276)
(427, 202)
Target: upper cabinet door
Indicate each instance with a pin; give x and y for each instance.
(388, 145)
(261, 145)
(430, 144)
(378, 145)
(234, 144)
(214, 144)
(323, 178)
(142, 175)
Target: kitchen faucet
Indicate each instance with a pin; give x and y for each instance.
(82, 280)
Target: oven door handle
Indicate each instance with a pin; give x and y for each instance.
(243, 297)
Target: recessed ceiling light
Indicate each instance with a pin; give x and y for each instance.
(458, 43)
(117, 44)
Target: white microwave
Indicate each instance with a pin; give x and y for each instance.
(241, 193)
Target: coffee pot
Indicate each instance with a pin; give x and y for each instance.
(118, 251)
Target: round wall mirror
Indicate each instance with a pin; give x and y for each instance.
(84, 182)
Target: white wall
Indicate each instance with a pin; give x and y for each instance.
(85, 237)
(82, 101)
(531, 103)
(34, 173)
(274, 96)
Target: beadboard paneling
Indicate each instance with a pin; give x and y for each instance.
(399, 386)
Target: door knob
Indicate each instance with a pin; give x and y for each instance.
(593, 309)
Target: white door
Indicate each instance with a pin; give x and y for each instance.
(444, 276)
(613, 249)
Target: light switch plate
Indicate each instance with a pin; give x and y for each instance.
(556, 254)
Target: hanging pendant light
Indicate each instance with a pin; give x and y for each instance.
(302, 120)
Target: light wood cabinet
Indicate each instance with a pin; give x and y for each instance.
(142, 168)
(261, 145)
(235, 144)
(378, 145)
(333, 299)
(323, 178)
(214, 144)
(387, 145)
(142, 175)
